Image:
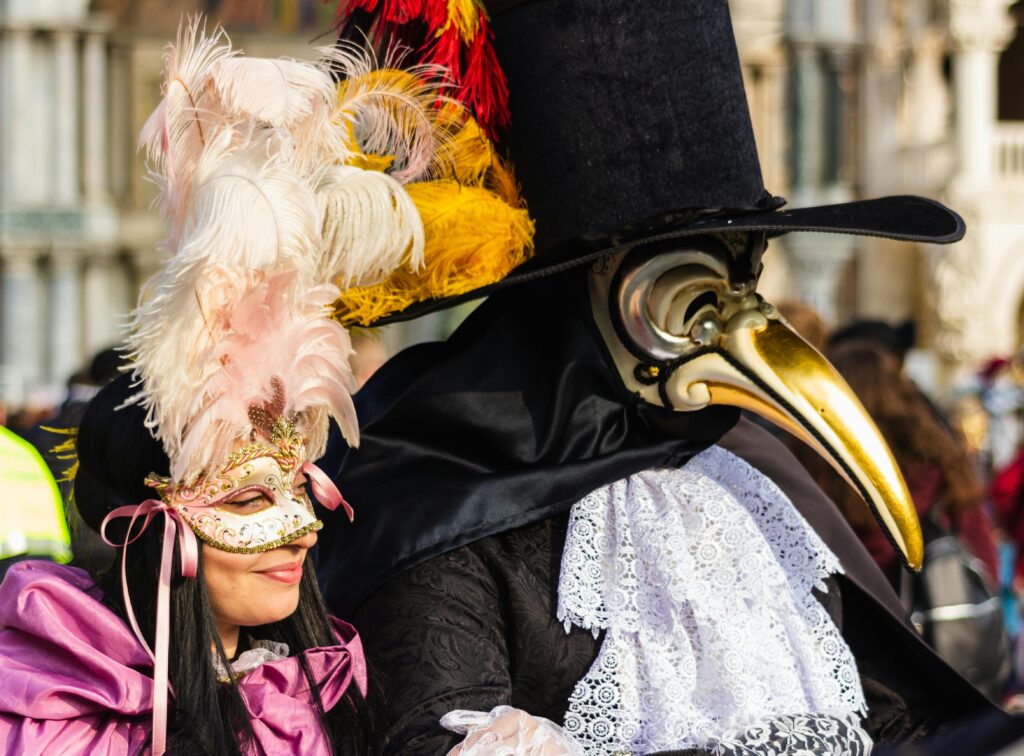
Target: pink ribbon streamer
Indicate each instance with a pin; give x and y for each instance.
(325, 491)
(189, 548)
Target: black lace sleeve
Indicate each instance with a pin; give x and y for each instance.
(435, 641)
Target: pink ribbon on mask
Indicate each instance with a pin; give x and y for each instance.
(324, 489)
(189, 565)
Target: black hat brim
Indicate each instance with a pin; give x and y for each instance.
(903, 218)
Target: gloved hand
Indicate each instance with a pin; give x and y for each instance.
(505, 731)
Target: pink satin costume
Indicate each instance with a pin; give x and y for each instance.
(75, 680)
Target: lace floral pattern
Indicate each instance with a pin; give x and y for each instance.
(820, 735)
(259, 653)
(702, 578)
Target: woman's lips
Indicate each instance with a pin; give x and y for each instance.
(284, 573)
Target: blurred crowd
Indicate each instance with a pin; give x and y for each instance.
(964, 467)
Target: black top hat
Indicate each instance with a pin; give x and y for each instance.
(629, 124)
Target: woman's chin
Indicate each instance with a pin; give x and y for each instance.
(266, 608)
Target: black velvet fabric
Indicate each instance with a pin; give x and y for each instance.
(623, 111)
(517, 416)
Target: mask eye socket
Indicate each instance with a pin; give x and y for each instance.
(247, 502)
(299, 484)
(662, 297)
(705, 301)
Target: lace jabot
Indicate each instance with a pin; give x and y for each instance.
(702, 579)
(259, 653)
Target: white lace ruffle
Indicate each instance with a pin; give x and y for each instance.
(259, 652)
(798, 735)
(702, 578)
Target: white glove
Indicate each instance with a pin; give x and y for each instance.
(505, 731)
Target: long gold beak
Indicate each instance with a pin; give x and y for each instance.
(761, 365)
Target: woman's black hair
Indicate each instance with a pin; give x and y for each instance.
(116, 452)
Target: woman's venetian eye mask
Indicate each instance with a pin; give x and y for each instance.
(255, 503)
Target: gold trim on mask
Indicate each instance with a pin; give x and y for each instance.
(311, 528)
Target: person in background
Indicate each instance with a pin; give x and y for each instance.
(82, 386)
(1007, 495)
(938, 471)
(897, 340)
(806, 321)
(32, 524)
(368, 354)
(51, 433)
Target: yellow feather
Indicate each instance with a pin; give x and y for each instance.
(465, 15)
(472, 153)
(473, 238)
(66, 451)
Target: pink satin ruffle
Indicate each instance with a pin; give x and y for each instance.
(75, 679)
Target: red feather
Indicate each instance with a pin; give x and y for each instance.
(479, 82)
(484, 84)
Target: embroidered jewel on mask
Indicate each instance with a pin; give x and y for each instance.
(702, 579)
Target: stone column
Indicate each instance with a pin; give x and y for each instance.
(980, 30)
(65, 152)
(806, 119)
(95, 144)
(101, 325)
(65, 306)
(880, 69)
(122, 135)
(22, 316)
(19, 183)
(817, 262)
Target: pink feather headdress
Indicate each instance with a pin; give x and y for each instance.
(266, 210)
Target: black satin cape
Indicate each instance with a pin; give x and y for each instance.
(513, 419)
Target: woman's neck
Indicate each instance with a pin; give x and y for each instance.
(228, 638)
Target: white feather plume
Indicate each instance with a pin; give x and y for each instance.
(370, 226)
(277, 91)
(389, 114)
(187, 119)
(262, 213)
(269, 336)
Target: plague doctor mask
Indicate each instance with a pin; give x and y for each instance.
(686, 329)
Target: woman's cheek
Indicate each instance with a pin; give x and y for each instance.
(242, 596)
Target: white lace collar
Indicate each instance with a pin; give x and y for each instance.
(259, 652)
(701, 577)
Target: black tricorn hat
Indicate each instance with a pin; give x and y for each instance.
(629, 124)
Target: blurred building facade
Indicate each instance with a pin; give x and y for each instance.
(77, 234)
(850, 98)
(864, 98)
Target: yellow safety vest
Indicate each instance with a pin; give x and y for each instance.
(31, 511)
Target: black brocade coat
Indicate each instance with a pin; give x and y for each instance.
(475, 627)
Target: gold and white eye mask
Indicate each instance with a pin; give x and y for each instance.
(257, 501)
